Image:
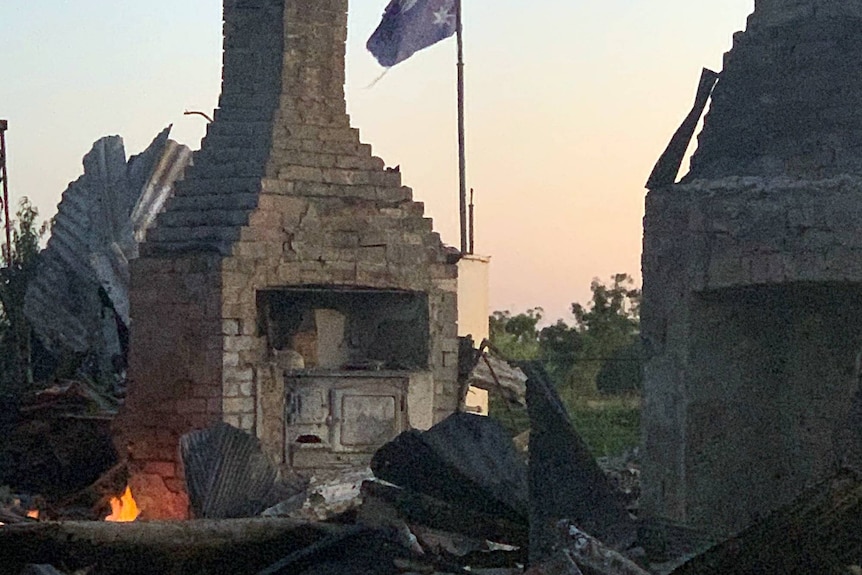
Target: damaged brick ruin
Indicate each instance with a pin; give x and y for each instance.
(291, 287)
(752, 312)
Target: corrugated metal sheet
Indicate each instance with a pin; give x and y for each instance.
(169, 170)
(93, 237)
(227, 473)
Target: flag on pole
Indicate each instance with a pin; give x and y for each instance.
(409, 26)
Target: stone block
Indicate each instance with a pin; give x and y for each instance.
(330, 135)
(230, 359)
(253, 249)
(385, 179)
(238, 405)
(273, 185)
(262, 235)
(230, 327)
(238, 265)
(231, 389)
(240, 343)
(247, 423)
(242, 374)
(300, 174)
(353, 162)
(264, 218)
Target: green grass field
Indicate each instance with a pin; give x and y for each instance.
(610, 425)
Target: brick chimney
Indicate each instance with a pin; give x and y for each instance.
(752, 268)
(292, 287)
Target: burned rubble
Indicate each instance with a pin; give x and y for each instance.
(297, 381)
(565, 480)
(58, 438)
(78, 302)
(472, 514)
(464, 513)
(456, 498)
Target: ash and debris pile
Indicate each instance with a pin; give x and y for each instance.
(55, 431)
(459, 498)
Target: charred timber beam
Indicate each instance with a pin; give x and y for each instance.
(666, 169)
(425, 510)
(821, 532)
(205, 546)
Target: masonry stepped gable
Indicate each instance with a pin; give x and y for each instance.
(287, 238)
(788, 99)
(282, 133)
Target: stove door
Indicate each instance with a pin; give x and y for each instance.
(308, 413)
(366, 416)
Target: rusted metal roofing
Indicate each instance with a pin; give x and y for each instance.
(168, 170)
(83, 274)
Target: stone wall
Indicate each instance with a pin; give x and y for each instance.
(787, 99)
(282, 195)
(751, 320)
(752, 271)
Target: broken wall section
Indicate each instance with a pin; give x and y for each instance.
(751, 324)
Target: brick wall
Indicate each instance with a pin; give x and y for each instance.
(282, 194)
(786, 100)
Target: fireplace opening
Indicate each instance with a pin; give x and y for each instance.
(322, 328)
(771, 377)
(354, 364)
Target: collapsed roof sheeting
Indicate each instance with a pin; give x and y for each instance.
(168, 170)
(92, 240)
(494, 374)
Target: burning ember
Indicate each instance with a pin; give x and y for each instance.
(123, 509)
(33, 514)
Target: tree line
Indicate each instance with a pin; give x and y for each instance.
(19, 267)
(600, 352)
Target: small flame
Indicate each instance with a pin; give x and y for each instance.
(33, 514)
(124, 509)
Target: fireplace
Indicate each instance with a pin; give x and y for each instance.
(355, 364)
(292, 287)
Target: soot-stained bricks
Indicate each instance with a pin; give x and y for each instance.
(753, 275)
(282, 204)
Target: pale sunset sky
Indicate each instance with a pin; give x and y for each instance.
(569, 104)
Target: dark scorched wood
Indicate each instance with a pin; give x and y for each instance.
(416, 508)
(207, 547)
(821, 532)
(566, 482)
(465, 459)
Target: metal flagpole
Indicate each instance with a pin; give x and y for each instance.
(462, 162)
(5, 198)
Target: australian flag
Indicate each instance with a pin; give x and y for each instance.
(409, 26)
